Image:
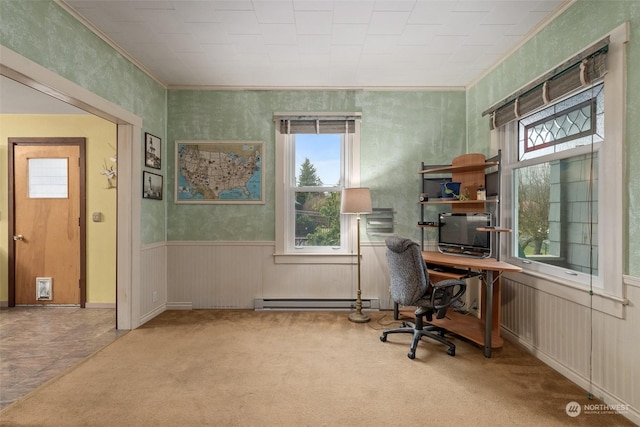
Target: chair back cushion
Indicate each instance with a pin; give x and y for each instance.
(407, 270)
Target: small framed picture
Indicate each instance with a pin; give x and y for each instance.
(151, 186)
(152, 151)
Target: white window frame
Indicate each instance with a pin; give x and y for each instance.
(286, 252)
(609, 293)
(513, 164)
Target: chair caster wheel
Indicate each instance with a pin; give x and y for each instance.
(383, 338)
(411, 355)
(451, 352)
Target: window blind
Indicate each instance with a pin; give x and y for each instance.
(316, 124)
(580, 71)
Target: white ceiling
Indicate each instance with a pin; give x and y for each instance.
(303, 43)
(316, 43)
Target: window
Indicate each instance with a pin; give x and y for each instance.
(555, 200)
(317, 156)
(48, 179)
(562, 139)
(563, 126)
(314, 193)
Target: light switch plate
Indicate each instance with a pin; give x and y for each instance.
(97, 216)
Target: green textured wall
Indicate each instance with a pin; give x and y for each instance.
(45, 33)
(583, 23)
(399, 129)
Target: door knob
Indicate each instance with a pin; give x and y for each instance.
(18, 237)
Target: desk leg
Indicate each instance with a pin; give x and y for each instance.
(488, 314)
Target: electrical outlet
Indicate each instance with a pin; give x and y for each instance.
(154, 296)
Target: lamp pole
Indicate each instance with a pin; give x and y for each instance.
(358, 316)
(357, 201)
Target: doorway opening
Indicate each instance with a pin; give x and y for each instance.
(129, 129)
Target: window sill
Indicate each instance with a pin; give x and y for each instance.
(309, 258)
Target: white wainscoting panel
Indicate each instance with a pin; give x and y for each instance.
(153, 281)
(597, 351)
(308, 281)
(375, 275)
(234, 274)
(216, 275)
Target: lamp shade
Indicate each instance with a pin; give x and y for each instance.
(355, 201)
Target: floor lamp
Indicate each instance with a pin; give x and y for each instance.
(356, 201)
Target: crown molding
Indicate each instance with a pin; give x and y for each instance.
(531, 34)
(323, 88)
(109, 41)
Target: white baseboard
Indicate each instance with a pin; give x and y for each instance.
(313, 304)
(100, 305)
(179, 306)
(153, 313)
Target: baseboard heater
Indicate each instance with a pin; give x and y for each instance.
(313, 304)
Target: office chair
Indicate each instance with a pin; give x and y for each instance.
(410, 286)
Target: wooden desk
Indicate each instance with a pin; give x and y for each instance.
(486, 330)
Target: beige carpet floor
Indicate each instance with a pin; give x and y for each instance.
(246, 368)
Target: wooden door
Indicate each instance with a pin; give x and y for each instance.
(48, 221)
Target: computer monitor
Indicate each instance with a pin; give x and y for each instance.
(458, 234)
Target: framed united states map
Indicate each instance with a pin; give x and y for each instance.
(219, 172)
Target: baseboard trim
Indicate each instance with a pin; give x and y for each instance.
(179, 306)
(313, 304)
(100, 305)
(153, 313)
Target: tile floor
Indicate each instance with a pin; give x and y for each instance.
(39, 343)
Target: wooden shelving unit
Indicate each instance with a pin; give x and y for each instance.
(461, 168)
(484, 330)
(464, 325)
(471, 171)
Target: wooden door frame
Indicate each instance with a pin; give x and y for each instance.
(81, 143)
(130, 161)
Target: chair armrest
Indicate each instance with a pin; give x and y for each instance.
(445, 293)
